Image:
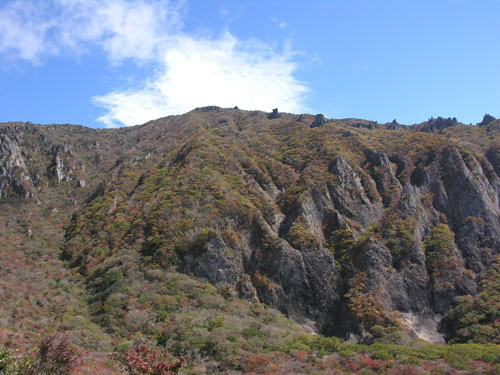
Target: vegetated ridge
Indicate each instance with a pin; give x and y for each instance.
(351, 228)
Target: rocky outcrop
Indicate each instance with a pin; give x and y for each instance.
(319, 120)
(61, 171)
(437, 124)
(352, 198)
(275, 114)
(487, 119)
(394, 125)
(406, 287)
(472, 207)
(384, 176)
(307, 287)
(304, 285)
(15, 179)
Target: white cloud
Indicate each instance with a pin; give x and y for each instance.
(195, 73)
(123, 29)
(191, 71)
(22, 30)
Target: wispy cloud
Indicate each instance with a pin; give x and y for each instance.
(191, 71)
(232, 13)
(281, 24)
(32, 30)
(22, 30)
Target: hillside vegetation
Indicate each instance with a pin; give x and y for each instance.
(242, 242)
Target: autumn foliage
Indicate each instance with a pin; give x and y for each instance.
(147, 360)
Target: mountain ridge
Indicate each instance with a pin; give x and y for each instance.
(342, 227)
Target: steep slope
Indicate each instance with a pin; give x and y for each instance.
(342, 227)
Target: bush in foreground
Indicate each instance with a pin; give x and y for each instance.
(147, 360)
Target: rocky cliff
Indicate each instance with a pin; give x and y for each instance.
(340, 226)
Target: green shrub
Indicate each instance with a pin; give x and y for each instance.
(440, 260)
(345, 248)
(53, 356)
(346, 352)
(382, 354)
(475, 319)
(300, 237)
(215, 322)
(5, 360)
(402, 241)
(325, 345)
(389, 335)
(252, 332)
(302, 342)
(411, 360)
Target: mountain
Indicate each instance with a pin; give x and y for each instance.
(345, 226)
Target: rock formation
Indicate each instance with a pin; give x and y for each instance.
(319, 120)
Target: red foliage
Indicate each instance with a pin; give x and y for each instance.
(373, 364)
(301, 355)
(54, 356)
(145, 360)
(354, 366)
(406, 370)
(257, 362)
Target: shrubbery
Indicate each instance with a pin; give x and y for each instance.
(53, 356)
(147, 360)
(440, 258)
(477, 318)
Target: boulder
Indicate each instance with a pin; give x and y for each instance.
(319, 120)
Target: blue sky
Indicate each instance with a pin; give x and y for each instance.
(124, 62)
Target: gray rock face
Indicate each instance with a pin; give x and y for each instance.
(437, 124)
(60, 168)
(20, 175)
(306, 283)
(383, 173)
(349, 195)
(472, 208)
(319, 120)
(14, 176)
(217, 264)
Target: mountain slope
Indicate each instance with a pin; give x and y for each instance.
(342, 227)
